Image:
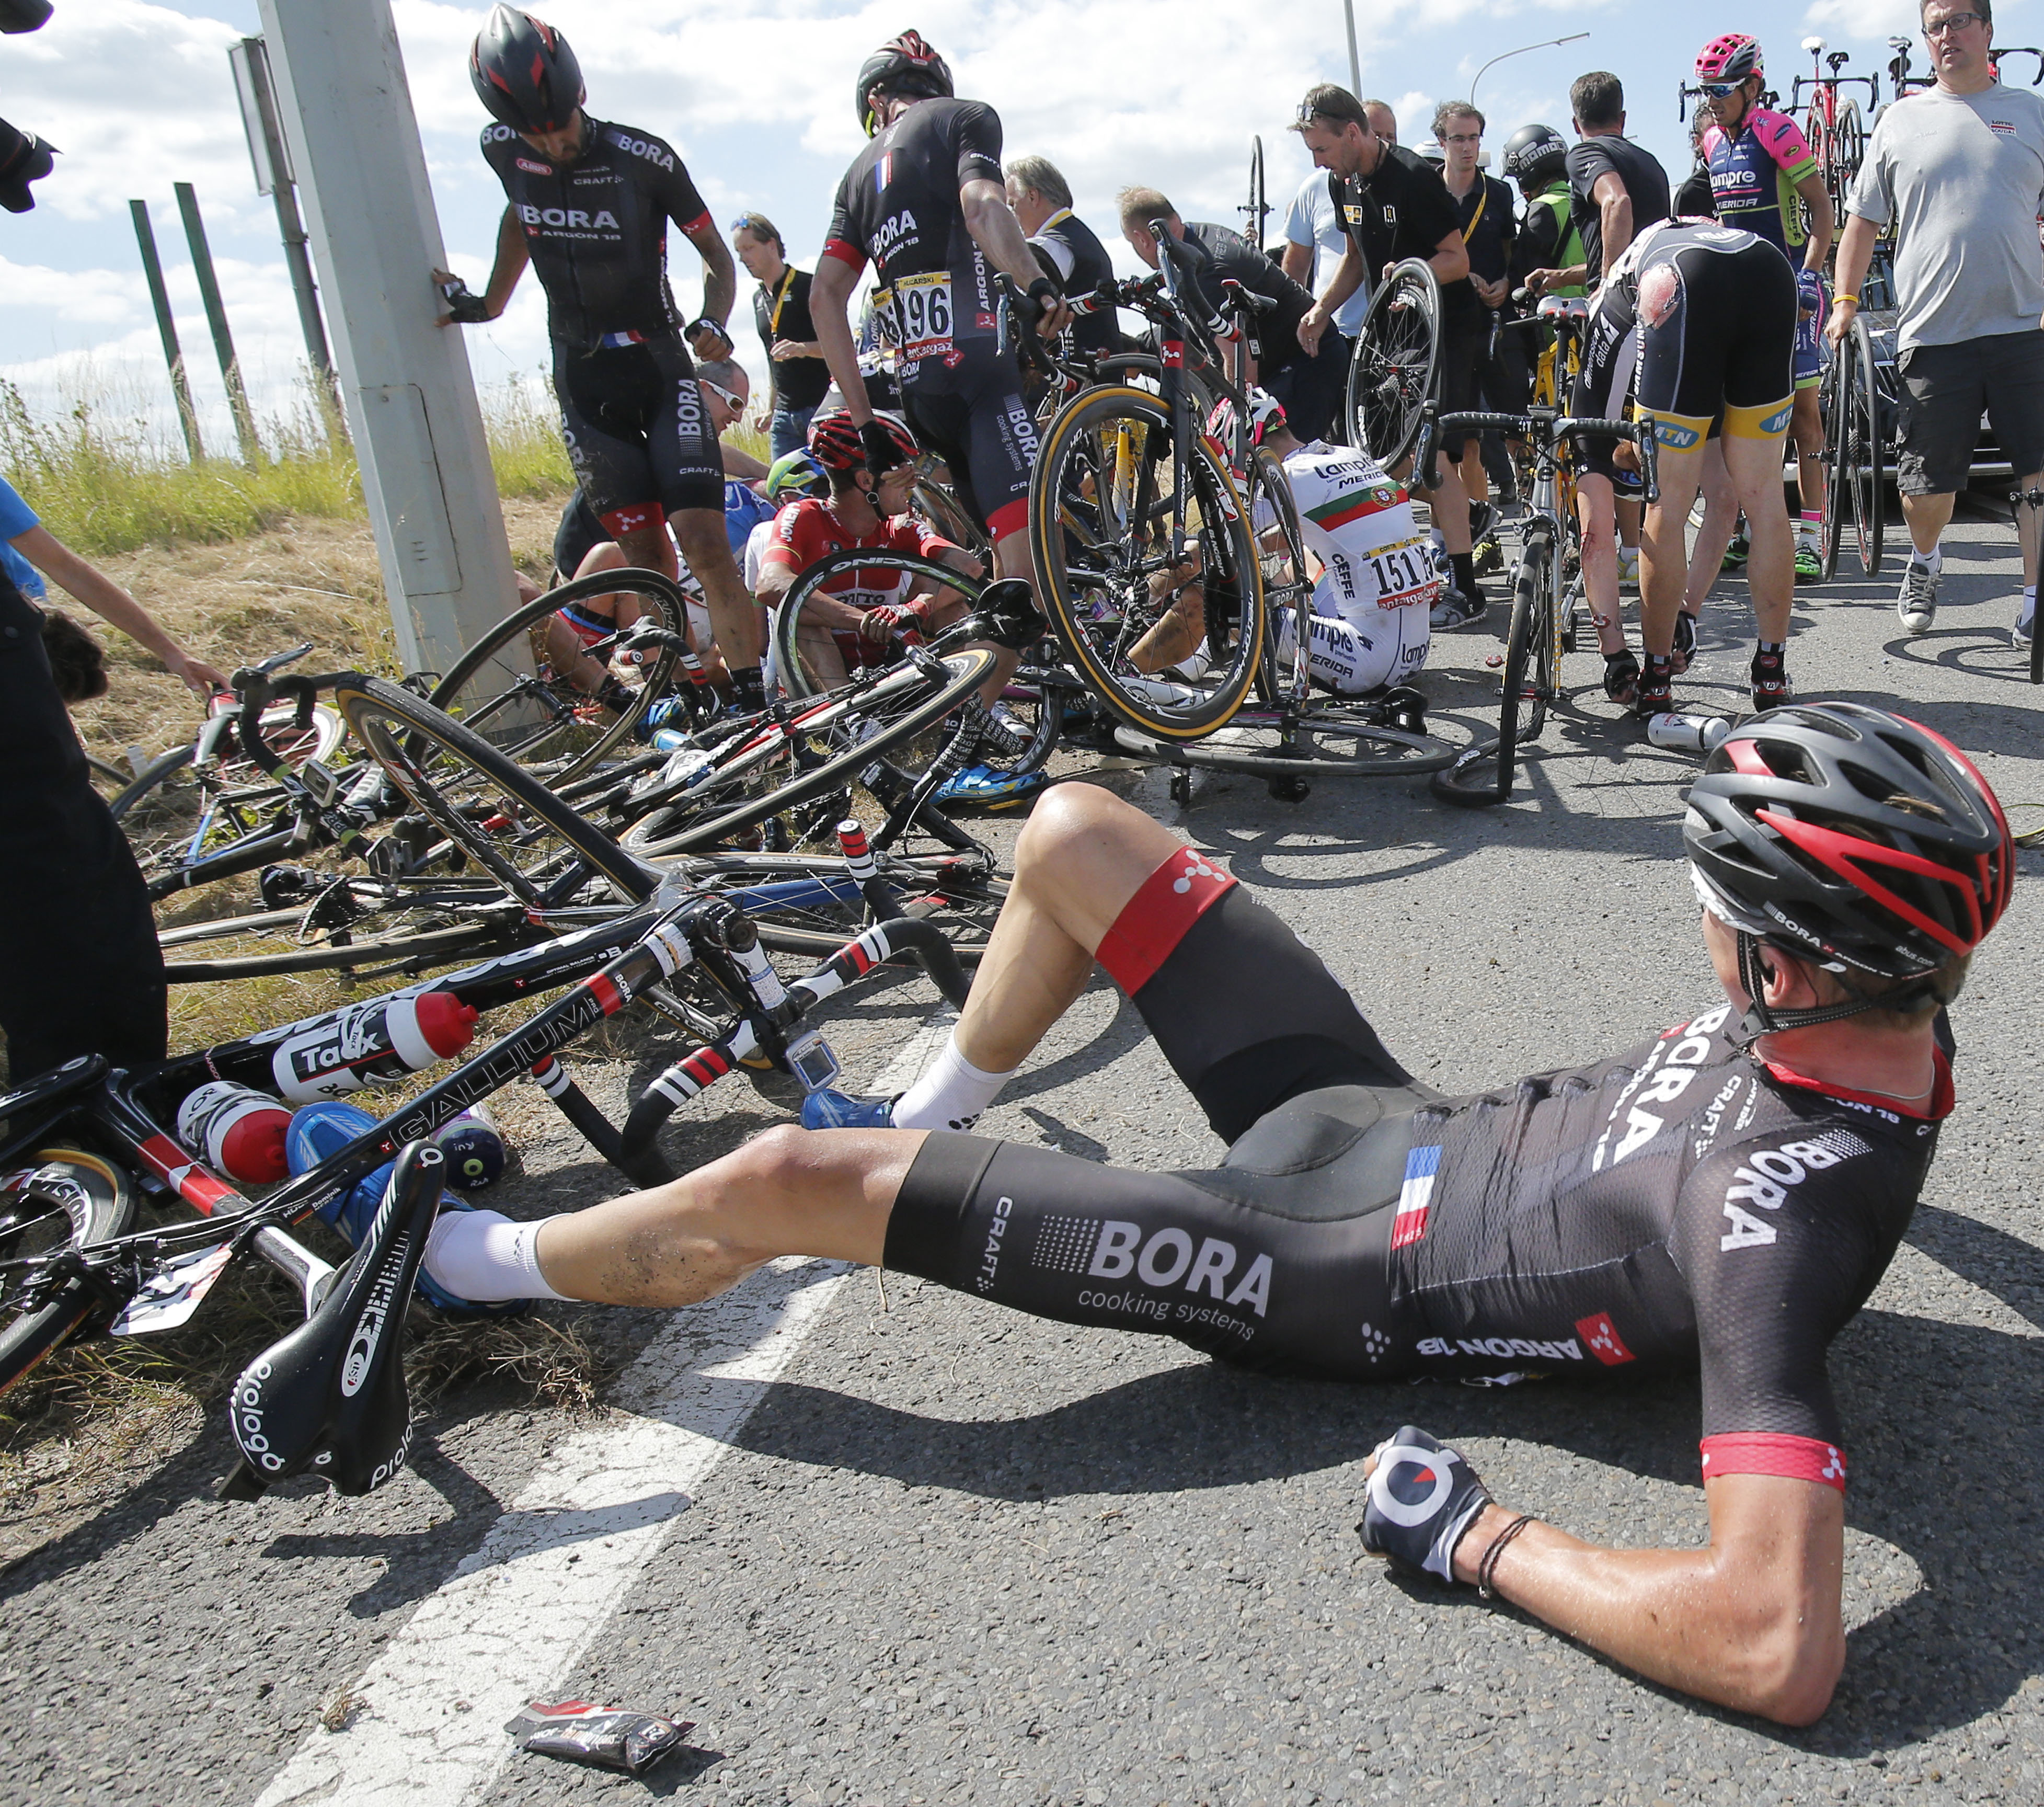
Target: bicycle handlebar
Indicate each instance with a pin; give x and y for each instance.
(1534, 427)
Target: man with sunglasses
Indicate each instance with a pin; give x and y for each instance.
(589, 204)
(1763, 174)
(1957, 172)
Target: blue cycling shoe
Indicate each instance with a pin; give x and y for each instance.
(827, 1109)
(989, 787)
(318, 1131)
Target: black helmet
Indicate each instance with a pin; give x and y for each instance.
(1851, 836)
(904, 65)
(1535, 153)
(524, 72)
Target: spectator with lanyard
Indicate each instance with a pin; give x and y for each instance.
(81, 971)
(1393, 206)
(1958, 171)
(924, 202)
(1068, 248)
(781, 311)
(1490, 231)
(1763, 174)
(1723, 1197)
(1308, 382)
(590, 206)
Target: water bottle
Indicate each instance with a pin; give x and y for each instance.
(473, 1148)
(237, 1130)
(345, 1050)
(1687, 733)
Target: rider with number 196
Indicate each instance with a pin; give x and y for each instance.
(590, 206)
(925, 204)
(1763, 173)
(1395, 206)
(1377, 581)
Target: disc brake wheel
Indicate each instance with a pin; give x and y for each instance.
(78, 1198)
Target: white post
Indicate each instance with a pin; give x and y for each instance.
(354, 141)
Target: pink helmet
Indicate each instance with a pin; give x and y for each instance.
(1732, 58)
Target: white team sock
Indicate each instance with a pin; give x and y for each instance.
(950, 1095)
(1932, 561)
(484, 1256)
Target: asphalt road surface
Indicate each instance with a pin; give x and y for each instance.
(904, 1547)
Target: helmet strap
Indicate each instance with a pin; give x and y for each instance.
(1760, 1020)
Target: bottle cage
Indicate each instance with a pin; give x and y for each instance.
(330, 1398)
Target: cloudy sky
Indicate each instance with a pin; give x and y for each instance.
(756, 96)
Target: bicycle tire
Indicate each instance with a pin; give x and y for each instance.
(102, 1206)
(487, 691)
(1848, 148)
(1329, 739)
(1094, 507)
(1397, 353)
(1831, 403)
(1867, 448)
(268, 943)
(1483, 776)
(673, 830)
(398, 728)
(798, 674)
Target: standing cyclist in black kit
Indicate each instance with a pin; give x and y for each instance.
(590, 206)
(925, 203)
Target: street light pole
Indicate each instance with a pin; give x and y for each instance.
(1545, 43)
(1354, 61)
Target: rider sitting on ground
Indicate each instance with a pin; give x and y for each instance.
(1725, 1196)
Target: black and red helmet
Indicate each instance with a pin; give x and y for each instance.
(1851, 836)
(834, 443)
(524, 73)
(904, 65)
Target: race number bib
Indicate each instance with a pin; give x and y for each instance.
(1405, 573)
(923, 315)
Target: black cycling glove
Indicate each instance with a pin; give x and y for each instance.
(881, 453)
(1423, 1496)
(464, 308)
(1038, 299)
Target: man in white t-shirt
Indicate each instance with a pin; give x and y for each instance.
(1378, 580)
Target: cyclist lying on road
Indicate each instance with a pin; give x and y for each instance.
(1724, 1196)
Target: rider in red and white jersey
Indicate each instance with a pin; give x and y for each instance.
(1378, 579)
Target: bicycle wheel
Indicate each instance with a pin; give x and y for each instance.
(506, 691)
(1483, 775)
(1391, 376)
(815, 757)
(1281, 550)
(1328, 739)
(87, 1200)
(1101, 518)
(1866, 451)
(1831, 402)
(805, 644)
(494, 814)
(946, 513)
(363, 927)
(1848, 150)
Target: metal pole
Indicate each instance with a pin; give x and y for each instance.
(1354, 59)
(272, 159)
(346, 109)
(159, 298)
(1545, 43)
(216, 315)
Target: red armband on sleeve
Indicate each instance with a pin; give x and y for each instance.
(1772, 1452)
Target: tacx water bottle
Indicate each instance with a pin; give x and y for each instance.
(345, 1050)
(473, 1148)
(237, 1130)
(1687, 733)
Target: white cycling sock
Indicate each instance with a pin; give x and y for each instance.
(1932, 561)
(484, 1256)
(950, 1095)
(2028, 614)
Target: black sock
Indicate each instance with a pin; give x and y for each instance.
(1771, 649)
(1463, 565)
(748, 687)
(1660, 668)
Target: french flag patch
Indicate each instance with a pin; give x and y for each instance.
(1416, 1195)
(883, 172)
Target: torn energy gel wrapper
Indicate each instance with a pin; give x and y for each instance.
(609, 1738)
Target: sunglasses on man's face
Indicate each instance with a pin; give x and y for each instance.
(1720, 90)
(735, 403)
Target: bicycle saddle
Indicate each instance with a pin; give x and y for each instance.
(1571, 307)
(330, 1398)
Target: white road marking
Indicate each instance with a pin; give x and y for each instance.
(916, 1053)
(516, 1615)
